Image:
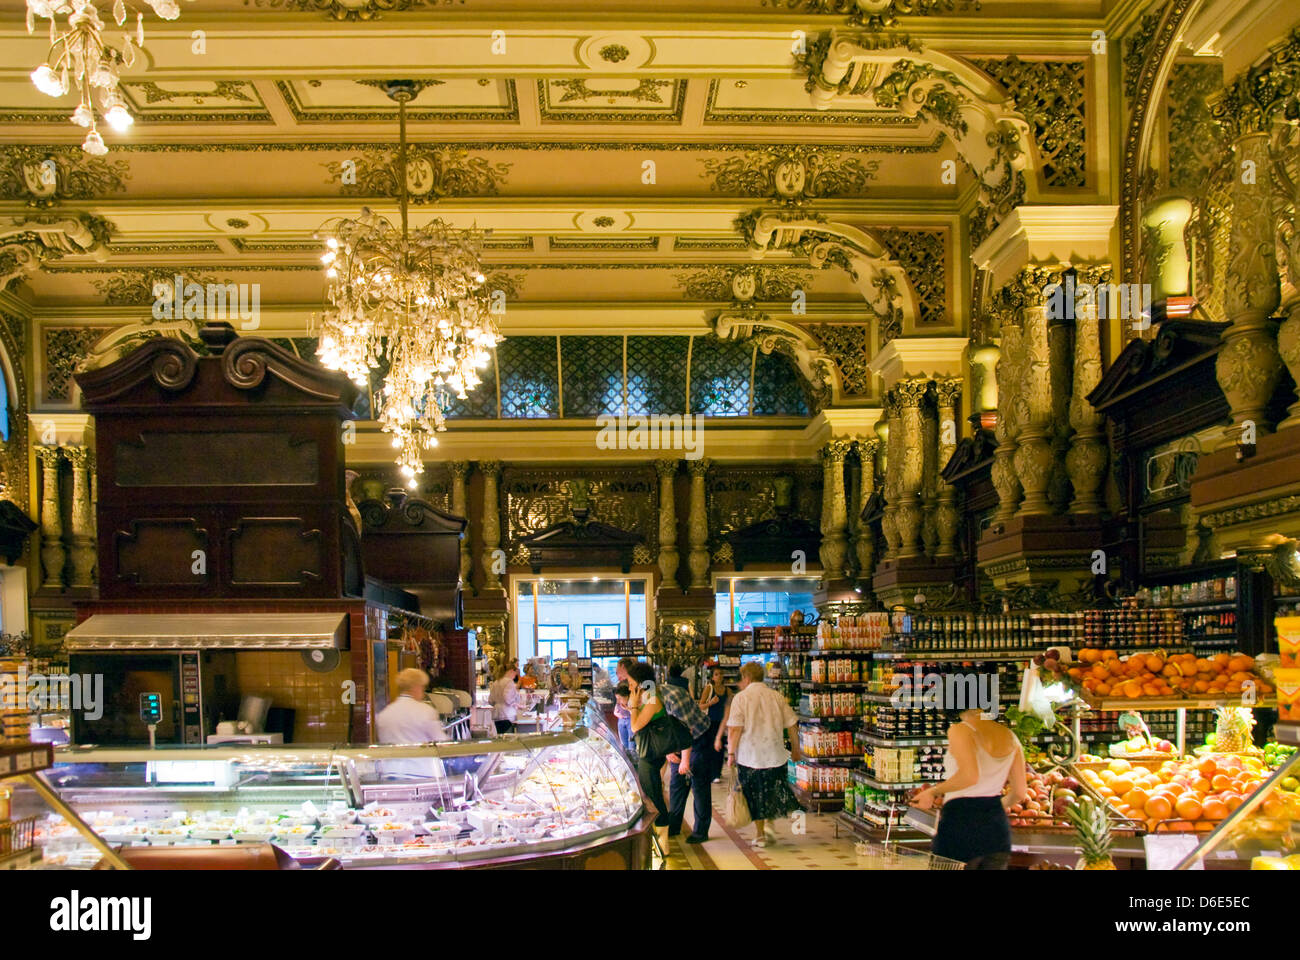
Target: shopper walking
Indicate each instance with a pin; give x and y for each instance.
(689, 773)
(758, 719)
(504, 698)
(645, 701)
(715, 701)
(983, 757)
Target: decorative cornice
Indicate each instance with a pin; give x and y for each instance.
(1266, 93)
(1045, 235)
(1249, 512)
(353, 9)
(43, 176)
(790, 174)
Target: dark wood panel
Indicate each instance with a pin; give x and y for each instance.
(275, 552)
(160, 551)
(219, 459)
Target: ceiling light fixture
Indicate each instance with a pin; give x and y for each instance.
(79, 56)
(415, 298)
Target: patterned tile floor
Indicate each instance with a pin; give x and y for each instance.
(815, 848)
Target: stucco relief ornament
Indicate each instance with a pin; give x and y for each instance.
(791, 175)
(744, 285)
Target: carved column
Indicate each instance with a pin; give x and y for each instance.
(460, 507)
(1248, 366)
(491, 470)
(698, 560)
(863, 546)
(1034, 454)
(854, 511)
(947, 392)
(834, 546)
(83, 519)
(911, 395)
(53, 553)
(889, 453)
(668, 559)
(1060, 350)
(929, 475)
(1003, 471)
(1086, 461)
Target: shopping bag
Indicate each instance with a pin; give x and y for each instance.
(737, 807)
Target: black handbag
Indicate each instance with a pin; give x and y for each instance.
(662, 736)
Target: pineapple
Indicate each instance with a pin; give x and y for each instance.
(1232, 729)
(1092, 828)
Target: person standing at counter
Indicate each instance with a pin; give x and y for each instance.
(621, 710)
(410, 719)
(504, 699)
(715, 700)
(646, 706)
(758, 719)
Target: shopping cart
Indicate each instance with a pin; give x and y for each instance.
(893, 856)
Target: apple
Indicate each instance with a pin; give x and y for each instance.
(1164, 746)
(1069, 783)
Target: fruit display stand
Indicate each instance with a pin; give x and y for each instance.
(1254, 830)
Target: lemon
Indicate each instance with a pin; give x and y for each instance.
(1269, 863)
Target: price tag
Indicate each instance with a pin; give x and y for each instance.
(1165, 851)
(23, 761)
(6, 764)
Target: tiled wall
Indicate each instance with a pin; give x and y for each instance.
(320, 713)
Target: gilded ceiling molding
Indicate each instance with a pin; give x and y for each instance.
(223, 90)
(43, 176)
(26, 243)
(890, 71)
(875, 14)
(743, 283)
(882, 280)
(790, 174)
(576, 92)
(431, 173)
(524, 146)
(509, 112)
(135, 287)
(353, 9)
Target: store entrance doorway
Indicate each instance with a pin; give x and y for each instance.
(558, 615)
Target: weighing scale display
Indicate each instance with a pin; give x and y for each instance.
(150, 708)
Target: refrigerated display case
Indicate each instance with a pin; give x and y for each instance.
(566, 799)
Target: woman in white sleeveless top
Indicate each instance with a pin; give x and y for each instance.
(983, 756)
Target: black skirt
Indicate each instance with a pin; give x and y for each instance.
(767, 792)
(972, 827)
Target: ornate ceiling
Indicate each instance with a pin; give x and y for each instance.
(644, 169)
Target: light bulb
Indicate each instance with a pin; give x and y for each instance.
(47, 81)
(94, 144)
(119, 117)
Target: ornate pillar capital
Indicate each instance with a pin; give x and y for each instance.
(459, 469)
(947, 390)
(667, 467)
(491, 468)
(47, 455)
(698, 469)
(835, 450)
(867, 448)
(909, 393)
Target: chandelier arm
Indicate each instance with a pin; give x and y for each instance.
(401, 164)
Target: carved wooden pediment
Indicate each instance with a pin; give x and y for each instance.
(581, 542)
(773, 540)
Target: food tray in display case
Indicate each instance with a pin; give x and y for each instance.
(445, 804)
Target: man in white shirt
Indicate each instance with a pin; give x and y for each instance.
(756, 725)
(410, 719)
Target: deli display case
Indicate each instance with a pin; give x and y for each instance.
(562, 800)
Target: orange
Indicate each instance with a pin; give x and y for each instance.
(1188, 808)
(1202, 786)
(1116, 668)
(1131, 689)
(1159, 808)
(1100, 673)
(1109, 655)
(1201, 686)
(1122, 784)
(1233, 800)
(1136, 798)
(1106, 792)
(1220, 782)
(1119, 765)
(1150, 690)
(1239, 663)
(1076, 673)
(1273, 807)
(1177, 827)
(1154, 664)
(1102, 689)
(1221, 661)
(1214, 809)
(1208, 767)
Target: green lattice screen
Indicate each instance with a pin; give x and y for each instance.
(720, 372)
(593, 375)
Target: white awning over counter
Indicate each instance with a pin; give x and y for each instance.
(230, 631)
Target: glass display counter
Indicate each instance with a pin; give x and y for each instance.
(470, 803)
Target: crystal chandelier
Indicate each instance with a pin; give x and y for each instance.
(414, 298)
(78, 55)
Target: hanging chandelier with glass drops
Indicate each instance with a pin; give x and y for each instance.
(80, 57)
(415, 298)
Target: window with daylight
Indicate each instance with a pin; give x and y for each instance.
(582, 378)
(553, 640)
(742, 603)
(4, 405)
